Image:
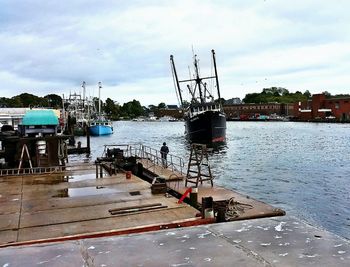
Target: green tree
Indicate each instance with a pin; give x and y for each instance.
(27, 100)
(274, 95)
(132, 109)
(152, 108)
(111, 109)
(307, 94)
(53, 100)
(162, 105)
(327, 94)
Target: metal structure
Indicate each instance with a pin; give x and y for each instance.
(198, 166)
(151, 158)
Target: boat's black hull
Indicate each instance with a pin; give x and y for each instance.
(207, 127)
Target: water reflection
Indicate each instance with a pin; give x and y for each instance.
(46, 179)
(301, 167)
(83, 191)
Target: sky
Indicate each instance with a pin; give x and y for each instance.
(51, 47)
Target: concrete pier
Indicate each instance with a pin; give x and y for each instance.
(83, 216)
(280, 241)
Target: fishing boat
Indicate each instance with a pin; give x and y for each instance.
(205, 120)
(100, 125)
(79, 109)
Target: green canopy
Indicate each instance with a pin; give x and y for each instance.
(40, 117)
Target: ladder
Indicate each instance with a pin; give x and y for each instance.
(198, 165)
(25, 149)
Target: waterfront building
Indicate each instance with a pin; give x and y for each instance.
(12, 116)
(170, 111)
(321, 108)
(249, 110)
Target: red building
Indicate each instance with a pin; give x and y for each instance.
(320, 108)
(248, 111)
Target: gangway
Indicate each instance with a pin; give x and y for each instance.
(150, 158)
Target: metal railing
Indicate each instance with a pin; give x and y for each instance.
(174, 163)
(152, 157)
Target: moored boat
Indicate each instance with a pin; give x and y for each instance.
(100, 125)
(205, 120)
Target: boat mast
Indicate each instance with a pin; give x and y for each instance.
(99, 97)
(216, 75)
(83, 85)
(176, 79)
(197, 79)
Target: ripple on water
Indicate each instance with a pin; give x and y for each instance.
(302, 166)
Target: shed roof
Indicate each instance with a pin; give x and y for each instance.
(40, 117)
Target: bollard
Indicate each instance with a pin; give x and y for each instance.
(194, 197)
(207, 207)
(101, 171)
(96, 170)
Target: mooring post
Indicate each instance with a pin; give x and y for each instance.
(101, 171)
(207, 207)
(194, 197)
(96, 169)
(88, 139)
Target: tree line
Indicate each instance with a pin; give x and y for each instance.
(133, 109)
(111, 108)
(282, 95)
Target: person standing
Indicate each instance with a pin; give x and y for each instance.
(164, 150)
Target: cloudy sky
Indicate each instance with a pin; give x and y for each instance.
(52, 46)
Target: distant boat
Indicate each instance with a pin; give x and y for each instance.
(100, 125)
(167, 118)
(205, 119)
(79, 109)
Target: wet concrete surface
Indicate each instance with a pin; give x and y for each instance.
(282, 241)
(55, 205)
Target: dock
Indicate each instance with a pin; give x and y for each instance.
(99, 214)
(86, 200)
(280, 241)
(71, 204)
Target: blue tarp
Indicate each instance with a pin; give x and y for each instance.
(40, 117)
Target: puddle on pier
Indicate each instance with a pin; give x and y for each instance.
(82, 177)
(46, 179)
(56, 179)
(84, 191)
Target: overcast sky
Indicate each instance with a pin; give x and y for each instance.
(52, 46)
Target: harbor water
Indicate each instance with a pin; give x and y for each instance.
(303, 168)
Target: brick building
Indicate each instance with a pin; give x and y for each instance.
(172, 112)
(247, 111)
(320, 108)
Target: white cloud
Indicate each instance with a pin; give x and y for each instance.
(54, 46)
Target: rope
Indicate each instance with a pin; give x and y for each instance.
(235, 209)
